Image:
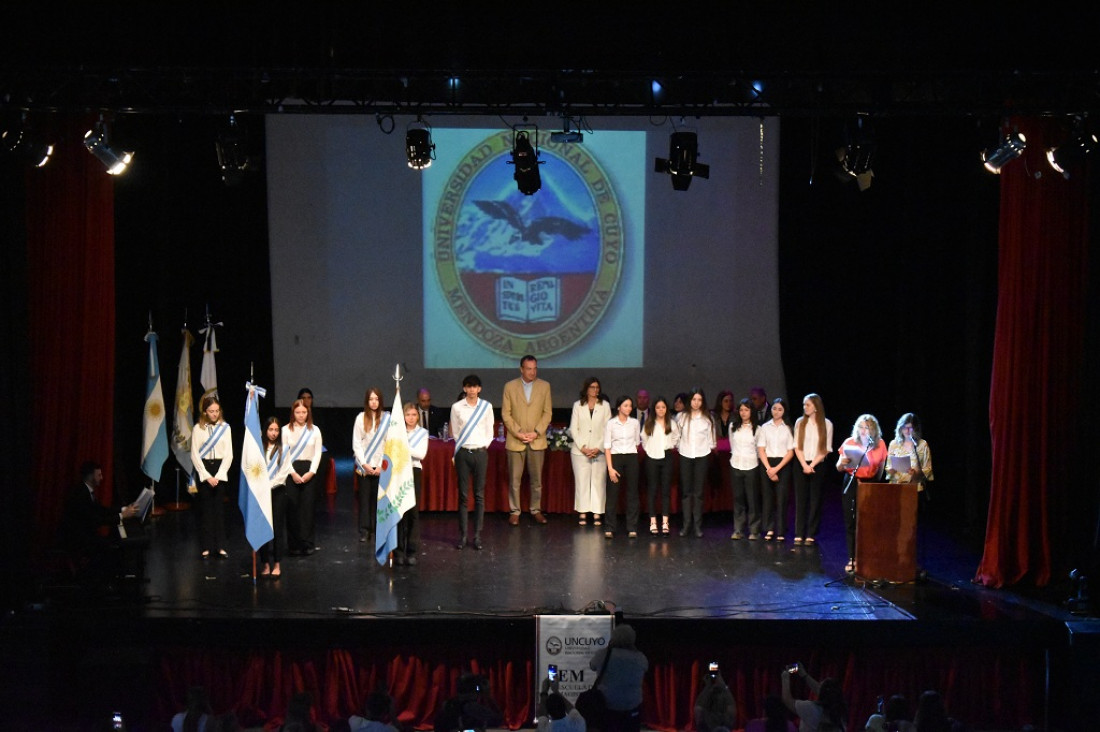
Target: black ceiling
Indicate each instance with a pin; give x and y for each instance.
(780, 59)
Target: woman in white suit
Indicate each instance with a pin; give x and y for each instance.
(591, 413)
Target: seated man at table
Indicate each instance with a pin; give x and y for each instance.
(95, 556)
(472, 427)
(431, 417)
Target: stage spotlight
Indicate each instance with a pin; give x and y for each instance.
(17, 139)
(95, 140)
(38, 153)
(232, 149)
(1012, 147)
(419, 148)
(682, 163)
(1070, 153)
(858, 153)
(526, 159)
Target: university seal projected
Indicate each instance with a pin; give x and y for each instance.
(528, 274)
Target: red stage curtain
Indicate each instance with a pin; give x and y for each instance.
(71, 310)
(988, 688)
(1037, 360)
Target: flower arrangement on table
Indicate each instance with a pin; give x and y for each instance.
(558, 438)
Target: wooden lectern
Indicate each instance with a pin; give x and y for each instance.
(886, 532)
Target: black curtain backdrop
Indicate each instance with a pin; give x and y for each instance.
(185, 241)
(888, 295)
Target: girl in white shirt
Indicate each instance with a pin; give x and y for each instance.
(212, 454)
(408, 529)
(368, 467)
(775, 448)
(591, 413)
(620, 443)
(302, 449)
(659, 437)
(813, 440)
(697, 441)
(743, 473)
(272, 552)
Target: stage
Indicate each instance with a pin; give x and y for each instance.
(339, 624)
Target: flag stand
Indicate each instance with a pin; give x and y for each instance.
(177, 506)
(156, 511)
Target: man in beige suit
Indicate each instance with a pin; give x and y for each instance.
(526, 410)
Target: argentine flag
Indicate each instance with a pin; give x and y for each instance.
(254, 496)
(396, 493)
(154, 444)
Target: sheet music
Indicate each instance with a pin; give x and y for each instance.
(144, 502)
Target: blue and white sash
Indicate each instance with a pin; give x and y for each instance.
(300, 445)
(468, 428)
(418, 435)
(212, 440)
(376, 441)
(274, 463)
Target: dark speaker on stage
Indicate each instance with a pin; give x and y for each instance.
(886, 532)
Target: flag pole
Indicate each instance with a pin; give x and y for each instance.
(398, 377)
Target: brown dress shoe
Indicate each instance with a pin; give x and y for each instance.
(513, 519)
(539, 518)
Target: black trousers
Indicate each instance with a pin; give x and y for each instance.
(746, 499)
(300, 516)
(693, 476)
(658, 476)
(627, 465)
(775, 497)
(807, 501)
(368, 503)
(212, 506)
(408, 529)
(471, 464)
(274, 550)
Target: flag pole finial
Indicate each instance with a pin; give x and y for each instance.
(150, 321)
(398, 376)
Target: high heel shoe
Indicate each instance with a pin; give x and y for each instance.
(664, 525)
(653, 526)
(596, 519)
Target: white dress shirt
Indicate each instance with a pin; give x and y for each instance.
(622, 438)
(311, 451)
(482, 434)
(775, 438)
(810, 437)
(222, 450)
(361, 437)
(743, 454)
(697, 437)
(658, 444)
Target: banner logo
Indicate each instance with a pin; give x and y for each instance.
(528, 274)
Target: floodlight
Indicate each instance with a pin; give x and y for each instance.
(419, 148)
(526, 159)
(232, 149)
(95, 140)
(1012, 147)
(1072, 152)
(682, 163)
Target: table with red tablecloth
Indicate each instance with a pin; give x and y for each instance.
(440, 484)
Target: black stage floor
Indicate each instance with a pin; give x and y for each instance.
(562, 568)
(754, 604)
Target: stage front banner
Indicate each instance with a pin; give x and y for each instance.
(568, 642)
